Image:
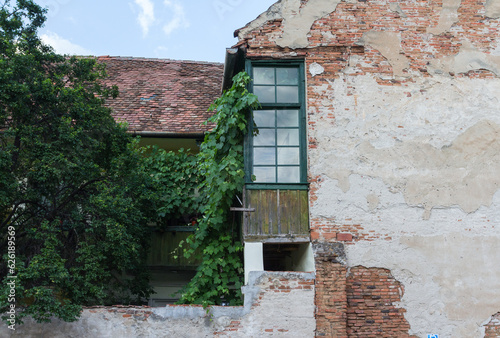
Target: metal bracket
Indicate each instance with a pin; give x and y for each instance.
(242, 209)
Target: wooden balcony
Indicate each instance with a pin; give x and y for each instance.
(280, 216)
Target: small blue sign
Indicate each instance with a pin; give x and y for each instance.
(432, 336)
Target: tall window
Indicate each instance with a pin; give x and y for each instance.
(277, 136)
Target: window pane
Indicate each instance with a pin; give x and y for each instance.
(288, 94)
(265, 156)
(264, 118)
(263, 75)
(266, 137)
(287, 76)
(288, 174)
(288, 156)
(265, 93)
(288, 137)
(265, 174)
(288, 118)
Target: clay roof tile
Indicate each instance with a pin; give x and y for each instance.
(161, 95)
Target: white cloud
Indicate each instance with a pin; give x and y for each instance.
(160, 51)
(63, 46)
(146, 17)
(179, 18)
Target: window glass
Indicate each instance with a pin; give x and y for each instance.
(263, 75)
(265, 156)
(288, 174)
(288, 156)
(289, 76)
(266, 137)
(265, 174)
(276, 133)
(287, 94)
(288, 137)
(266, 94)
(288, 118)
(264, 118)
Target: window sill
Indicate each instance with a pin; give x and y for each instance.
(277, 186)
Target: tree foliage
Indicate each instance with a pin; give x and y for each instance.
(178, 176)
(78, 192)
(220, 164)
(73, 185)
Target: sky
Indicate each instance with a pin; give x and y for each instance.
(198, 30)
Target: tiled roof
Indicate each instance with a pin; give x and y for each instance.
(160, 95)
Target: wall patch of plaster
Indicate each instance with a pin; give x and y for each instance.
(297, 25)
(342, 176)
(394, 6)
(493, 9)
(471, 177)
(274, 12)
(297, 21)
(316, 69)
(448, 16)
(389, 45)
(469, 58)
(372, 201)
(438, 149)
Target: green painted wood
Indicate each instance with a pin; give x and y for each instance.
(304, 205)
(277, 213)
(165, 250)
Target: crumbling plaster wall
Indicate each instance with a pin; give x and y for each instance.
(404, 144)
(290, 292)
(415, 180)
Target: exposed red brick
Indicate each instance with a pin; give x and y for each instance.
(371, 295)
(493, 327)
(330, 298)
(344, 237)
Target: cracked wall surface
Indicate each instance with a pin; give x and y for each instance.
(404, 145)
(447, 17)
(415, 179)
(291, 292)
(389, 45)
(297, 19)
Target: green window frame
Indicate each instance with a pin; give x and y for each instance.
(275, 146)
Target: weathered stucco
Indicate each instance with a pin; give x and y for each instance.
(292, 293)
(297, 20)
(389, 45)
(448, 16)
(493, 9)
(415, 169)
(394, 6)
(469, 58)
(438, 147)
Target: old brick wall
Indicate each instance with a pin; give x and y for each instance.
(331, 298)
(372, 295)
(356, 302)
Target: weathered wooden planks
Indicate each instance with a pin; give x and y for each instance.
(277, 213)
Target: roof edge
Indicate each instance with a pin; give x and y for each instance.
(166, 134)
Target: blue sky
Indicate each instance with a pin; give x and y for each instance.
(174, 29)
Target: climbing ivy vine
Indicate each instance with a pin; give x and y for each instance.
(216, 240)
